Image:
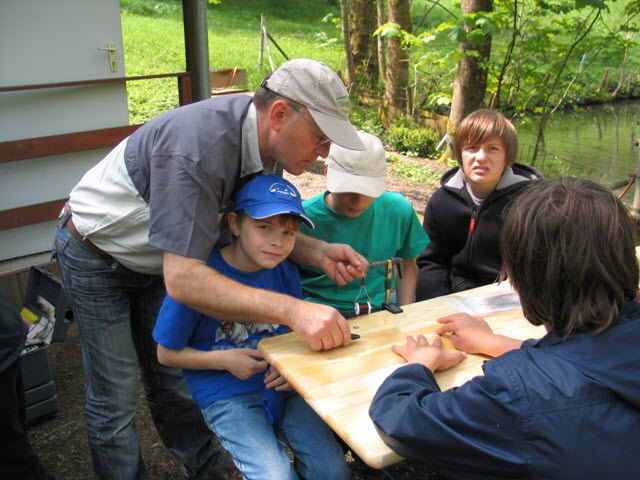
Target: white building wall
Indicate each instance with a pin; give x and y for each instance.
(43, 41)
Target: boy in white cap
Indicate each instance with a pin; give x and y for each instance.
(148, 215)
(380, 225)
(248, 404)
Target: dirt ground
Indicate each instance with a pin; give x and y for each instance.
(61, 441)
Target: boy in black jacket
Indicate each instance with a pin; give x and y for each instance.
(464, 217)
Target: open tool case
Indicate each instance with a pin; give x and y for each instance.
(40, 391)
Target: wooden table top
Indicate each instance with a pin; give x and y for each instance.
(339, 384)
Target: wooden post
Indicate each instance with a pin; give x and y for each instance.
(265, 37)
(266, 40)
(261, 39)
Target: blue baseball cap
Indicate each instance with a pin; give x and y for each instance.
(269, 195)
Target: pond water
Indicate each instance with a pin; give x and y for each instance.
(596, 142)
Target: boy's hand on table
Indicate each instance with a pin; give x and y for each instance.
(469, 334)
(473, 335)
(418, 350)
(244, 362)
(321, 326)
(273, 379)
(342, 263)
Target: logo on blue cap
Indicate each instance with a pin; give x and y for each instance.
(269, 195)
(282, 189)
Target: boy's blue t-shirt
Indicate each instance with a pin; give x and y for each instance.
(179, 326)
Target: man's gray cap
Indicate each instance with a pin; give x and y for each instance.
(318, 88)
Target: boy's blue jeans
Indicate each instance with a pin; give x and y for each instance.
(241, 425)
(115, 310)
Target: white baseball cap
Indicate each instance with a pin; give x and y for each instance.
(361, 172)
(318, 88)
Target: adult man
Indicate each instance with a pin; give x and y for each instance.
(152, 207)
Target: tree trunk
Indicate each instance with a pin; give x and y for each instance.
(397, 98)
(382, 58)
(471, 80)
(362, 23)
(495, 99)
(544, 107)
(346, 41)
(614, 95)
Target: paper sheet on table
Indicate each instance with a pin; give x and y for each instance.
(484, 305)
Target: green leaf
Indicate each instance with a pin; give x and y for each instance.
(428, 38)
(477, 38)
(458, 35)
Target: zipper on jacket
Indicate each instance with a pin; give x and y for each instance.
(472, 229)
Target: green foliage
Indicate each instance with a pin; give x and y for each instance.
(393, 157)
(153, 38)
(416, 171)
(411, 140)
(534, 72)
(366, 118)
(154, 44)
(451, 163)
(157, 8)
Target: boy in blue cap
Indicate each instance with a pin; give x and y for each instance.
(245, 402)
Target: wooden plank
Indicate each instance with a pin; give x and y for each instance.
(185, 95)
(26, 149)
(340, 384)
(82, 83)
(23, 216)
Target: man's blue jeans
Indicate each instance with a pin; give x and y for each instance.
(115, 310)
(254, 444)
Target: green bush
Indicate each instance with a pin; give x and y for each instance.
(366, 118)
(412, 140)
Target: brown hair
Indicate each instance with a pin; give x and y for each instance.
(283, 219)
(481, 125)
(568, 249)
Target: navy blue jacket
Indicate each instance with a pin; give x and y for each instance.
(553, 409)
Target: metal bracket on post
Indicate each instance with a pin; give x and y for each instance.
(111, 49)
(387, 305)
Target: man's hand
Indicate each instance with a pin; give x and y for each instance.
(244, 362)
(273, 379)
(202, 288)
(321, 326)
(431, 356)
(342, 263)
(474, 335)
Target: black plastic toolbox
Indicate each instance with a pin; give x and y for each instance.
(40, 391)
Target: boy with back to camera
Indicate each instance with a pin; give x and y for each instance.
(244, 401)
(463, 218)
(356, 210)
(566, 406)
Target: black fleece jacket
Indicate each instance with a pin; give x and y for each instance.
(464, 249)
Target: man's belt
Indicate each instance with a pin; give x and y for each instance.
(77, 235)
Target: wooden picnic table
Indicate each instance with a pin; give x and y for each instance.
(339, 384)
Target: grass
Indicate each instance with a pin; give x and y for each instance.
(414, 170)
(154, 43)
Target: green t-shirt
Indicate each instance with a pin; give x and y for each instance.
(388, 228)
